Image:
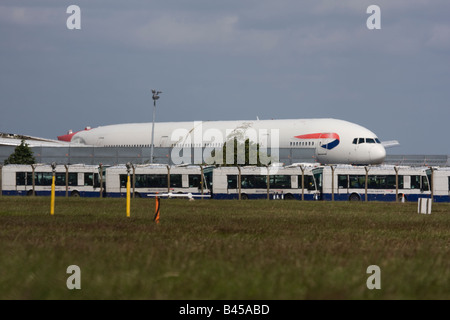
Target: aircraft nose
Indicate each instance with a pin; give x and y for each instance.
(378, 154)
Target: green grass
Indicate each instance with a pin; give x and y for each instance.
(208, 249)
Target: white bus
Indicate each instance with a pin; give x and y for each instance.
(70, 180)
(147, 180)
(375, 183)
(250, 182)
(441, 184)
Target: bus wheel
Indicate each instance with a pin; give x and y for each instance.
(401, 197)
(74, 194)
(30, 193)
(244, 196)
(354, 197)
(288, 196)
(137, 195)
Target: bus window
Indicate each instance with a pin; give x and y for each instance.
(254, 182)
(175, 181)
(308, 184)
(384, 182)
(194, 180)
(123, 180)
(415, 182)
(425, 186)
(318, 178)
(60, 179)
(156, 180)
(232, 181)
(88, 179)
(342, 181)
(20, 179)
(373, 182)
(280, 181)
(357, 181)
(41, 178)
(208, 179)
(96, 180)
(389, 182)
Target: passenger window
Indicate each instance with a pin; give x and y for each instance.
(361, 140)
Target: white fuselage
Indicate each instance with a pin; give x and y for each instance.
(333, 141)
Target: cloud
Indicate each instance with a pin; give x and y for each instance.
(440, 37)
(30, 16)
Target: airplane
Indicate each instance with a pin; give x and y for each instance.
(331, 141)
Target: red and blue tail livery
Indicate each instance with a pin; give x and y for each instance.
(330, 135)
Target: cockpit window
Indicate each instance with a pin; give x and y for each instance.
(365, 140)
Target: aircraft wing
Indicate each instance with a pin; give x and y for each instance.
(9, 139)
(390, 144)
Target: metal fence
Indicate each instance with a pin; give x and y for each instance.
(138, 155)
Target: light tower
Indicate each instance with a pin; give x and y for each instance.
(155, 97)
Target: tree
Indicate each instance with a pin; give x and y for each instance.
(249, 150)
(22, 155)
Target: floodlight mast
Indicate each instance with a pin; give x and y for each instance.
(155, 97)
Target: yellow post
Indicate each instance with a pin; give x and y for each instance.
(128, 196)
(52, 201)
(52, 197)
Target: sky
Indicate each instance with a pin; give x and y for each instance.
(228, 60)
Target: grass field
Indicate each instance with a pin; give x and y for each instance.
(206, 249)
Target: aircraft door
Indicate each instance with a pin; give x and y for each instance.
(320, 150)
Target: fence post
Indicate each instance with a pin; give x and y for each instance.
(100, 171)
(367, 178)
(67, 180)
(396, 183)
(332, 182)
(202, 180)
(33, 182)
(168, 179)
(1, 170)
(239, 182)
(303, 182)
(431, 184)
